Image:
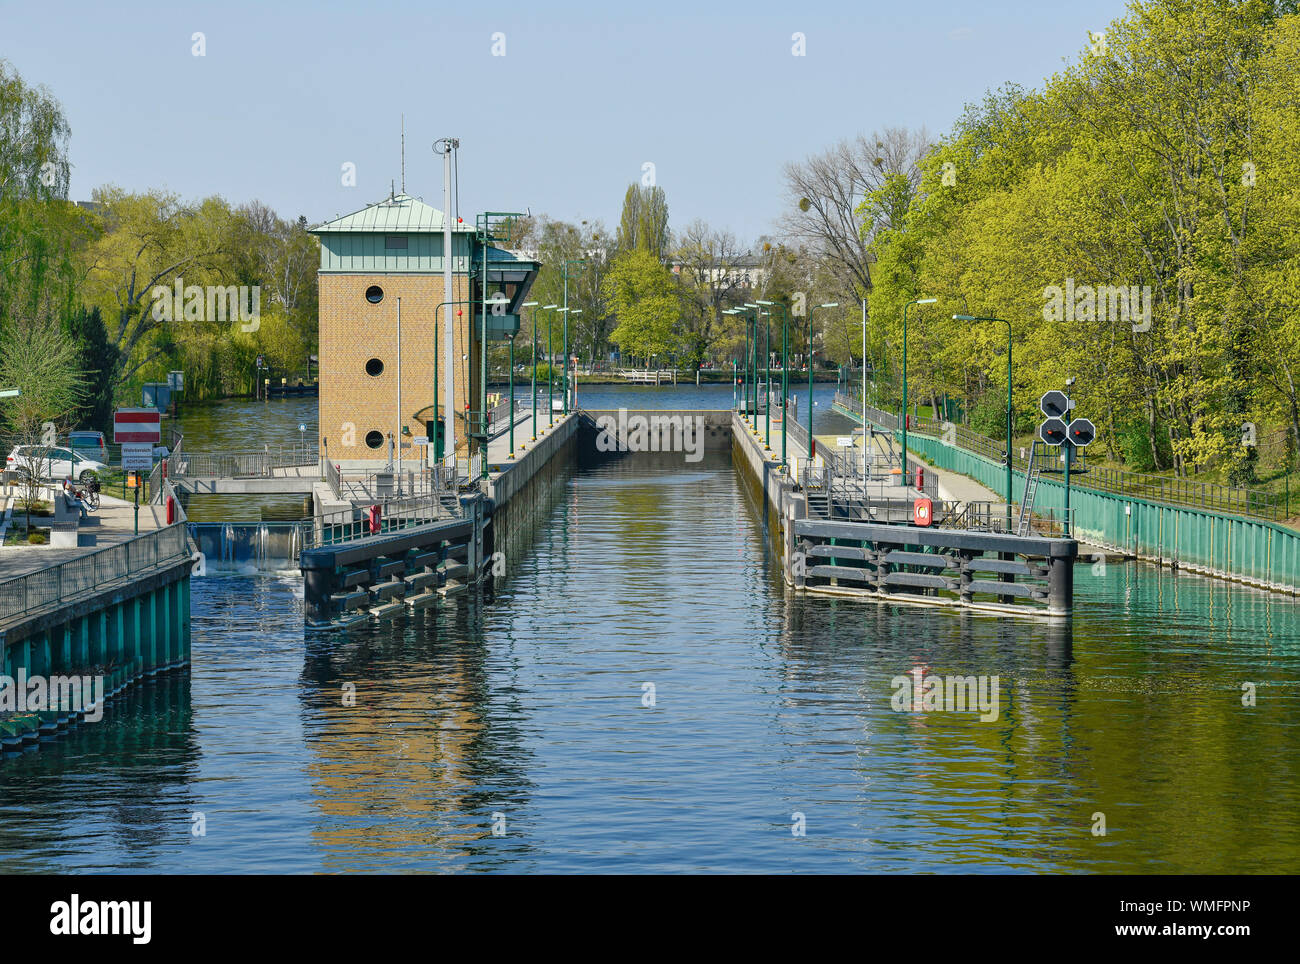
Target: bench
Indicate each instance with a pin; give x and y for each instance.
(67, 516)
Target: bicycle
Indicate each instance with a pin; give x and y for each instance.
(89, 496)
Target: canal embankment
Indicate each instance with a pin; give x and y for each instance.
(862, 547)
(1256, 552)
(117, 615)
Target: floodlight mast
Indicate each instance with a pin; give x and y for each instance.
(445, 146)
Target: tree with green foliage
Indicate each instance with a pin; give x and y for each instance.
(645, 300)
(643, 225)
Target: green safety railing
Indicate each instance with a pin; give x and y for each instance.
(1210, 496)
(1207, 532)
(53, 585)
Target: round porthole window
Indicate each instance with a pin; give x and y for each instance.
(374, 439)
(374, 367)
(374, 294)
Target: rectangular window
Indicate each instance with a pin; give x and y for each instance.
(395, 242)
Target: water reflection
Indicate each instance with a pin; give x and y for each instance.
(765, 705)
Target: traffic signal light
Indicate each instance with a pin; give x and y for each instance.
(1054, 404)
(1054, 432)
(1081, 432)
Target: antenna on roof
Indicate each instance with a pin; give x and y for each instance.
(403, 153)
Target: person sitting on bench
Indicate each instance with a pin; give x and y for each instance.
(70, 493)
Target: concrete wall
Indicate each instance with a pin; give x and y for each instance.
(771, 487)
(523, 495)
(716, 424)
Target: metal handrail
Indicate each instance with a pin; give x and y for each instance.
(345, 525)
(799, 433)
(239, 464)
(334, 479)
(52, 585)
(1153, 488)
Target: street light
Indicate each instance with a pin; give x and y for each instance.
(548, 363)
(1008, 324)
(812, 445)
(576, 311)
(550, 375)
(449, 433)
(732, 311)
(785, 381)
(918, 301)
(526, 304)
(751, 353)
(566, 328)
(767, 374)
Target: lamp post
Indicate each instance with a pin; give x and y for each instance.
(566, 328)
(573, 401)
(732, 311)
(550, 374)
(526, 304)
(751, 359)
(734, 367)
(548, 364)
(767, 377)
(400, 419)
(1008, 324)
(918, 301)
(785, 381)
(438, 451)
(812, 444)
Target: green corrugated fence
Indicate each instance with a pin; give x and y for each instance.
(1252, 550)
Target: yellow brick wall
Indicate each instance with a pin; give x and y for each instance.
(352, 331)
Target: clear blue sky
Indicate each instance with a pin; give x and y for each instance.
(587, 92)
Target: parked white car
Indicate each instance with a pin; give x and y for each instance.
(53, 463)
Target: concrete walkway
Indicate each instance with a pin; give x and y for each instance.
(112, 524)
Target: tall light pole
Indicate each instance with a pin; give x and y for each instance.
(550, 374)
(436, 452)
(767, 380)
(864, 388)
(574, 399)
(566, 328)
(526, 304)
(918, 301)
(732, 312)
(445, 146)
(750, 360)
(785, 382)
(812, 444)
(1008, 324)
(399, 396)
(548, 364)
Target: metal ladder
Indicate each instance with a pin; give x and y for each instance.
(1031, 489)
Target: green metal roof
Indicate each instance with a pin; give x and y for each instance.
(400, 214)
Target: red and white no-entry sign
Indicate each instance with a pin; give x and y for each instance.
(137, 425)
(922, 512)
